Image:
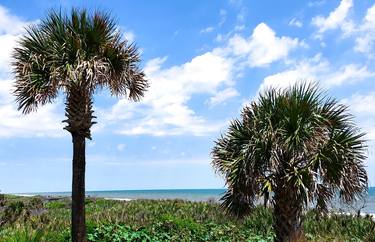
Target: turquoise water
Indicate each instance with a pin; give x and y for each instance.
(366, 205)
(186, 194)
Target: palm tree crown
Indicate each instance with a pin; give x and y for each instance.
(81, 50)
(296, 144)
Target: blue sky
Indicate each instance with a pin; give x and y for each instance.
(205, 60)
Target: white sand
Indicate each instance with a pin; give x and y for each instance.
(118, 199)
(24, 195)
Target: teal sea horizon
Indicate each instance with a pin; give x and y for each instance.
(185, 194)
(367, 204)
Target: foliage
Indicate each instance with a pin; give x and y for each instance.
(294, 137)
(168, 220)
(295, 146)
(26, 235)
(57, 205)
(338, 225)
(80, 50)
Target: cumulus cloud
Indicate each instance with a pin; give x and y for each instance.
(362, 104)
(305, 70)
(366, 36)
(7, 43)
(165, 110)
(263, 46)
(9, 23)
(43, 123)
(223, 16)
(363, 31)
(349, 74)
(336, 19)
(129, 36)
(46, 122)
(11, 27)
(121, 147)
(207, 30)
(295, 22)
(363, 107)
(222, 96)
(317, 69)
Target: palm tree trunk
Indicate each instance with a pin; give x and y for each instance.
(78, 189)
(287, 215)
(79, 119)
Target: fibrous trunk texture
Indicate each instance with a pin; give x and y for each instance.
(79, 120)
(287, 214)
(78, 190)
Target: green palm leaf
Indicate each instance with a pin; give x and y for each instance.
(297, 144)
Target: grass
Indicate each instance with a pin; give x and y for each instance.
(34, 219)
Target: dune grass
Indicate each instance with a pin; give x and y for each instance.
(35, 219)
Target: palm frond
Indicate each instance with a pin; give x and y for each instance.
(296, 139)
(70, 49)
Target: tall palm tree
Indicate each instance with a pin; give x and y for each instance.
(296, 145)
(75, 54)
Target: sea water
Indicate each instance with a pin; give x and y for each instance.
(185, 194)
(367, 204)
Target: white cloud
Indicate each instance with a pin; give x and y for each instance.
(222, 96)
(223, 17)
(46, 122)
(349, 74)
(336, 19)
(10, 24)
(207, 30)
(11, 27)
(363, 106)
(164, 110)
(239, 28)
(305, 70)
(43, 123)
(7, 43)
(263, 46)
(317, 69)
(296, 23)
(366, 33)
(129, 36)
(316, 3)
(121, 147)
(363, 32)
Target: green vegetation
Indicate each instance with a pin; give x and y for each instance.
(37, 219)
(298, 145)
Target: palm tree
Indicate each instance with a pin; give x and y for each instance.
(75, 54)
(297, 145)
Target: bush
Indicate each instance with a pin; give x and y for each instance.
(2, 200)
(169, 220)
(25, 235)
(112, 233)
(56, 205)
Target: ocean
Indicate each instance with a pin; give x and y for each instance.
(185, 194)
(366, 205)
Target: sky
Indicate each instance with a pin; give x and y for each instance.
(204, 60)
